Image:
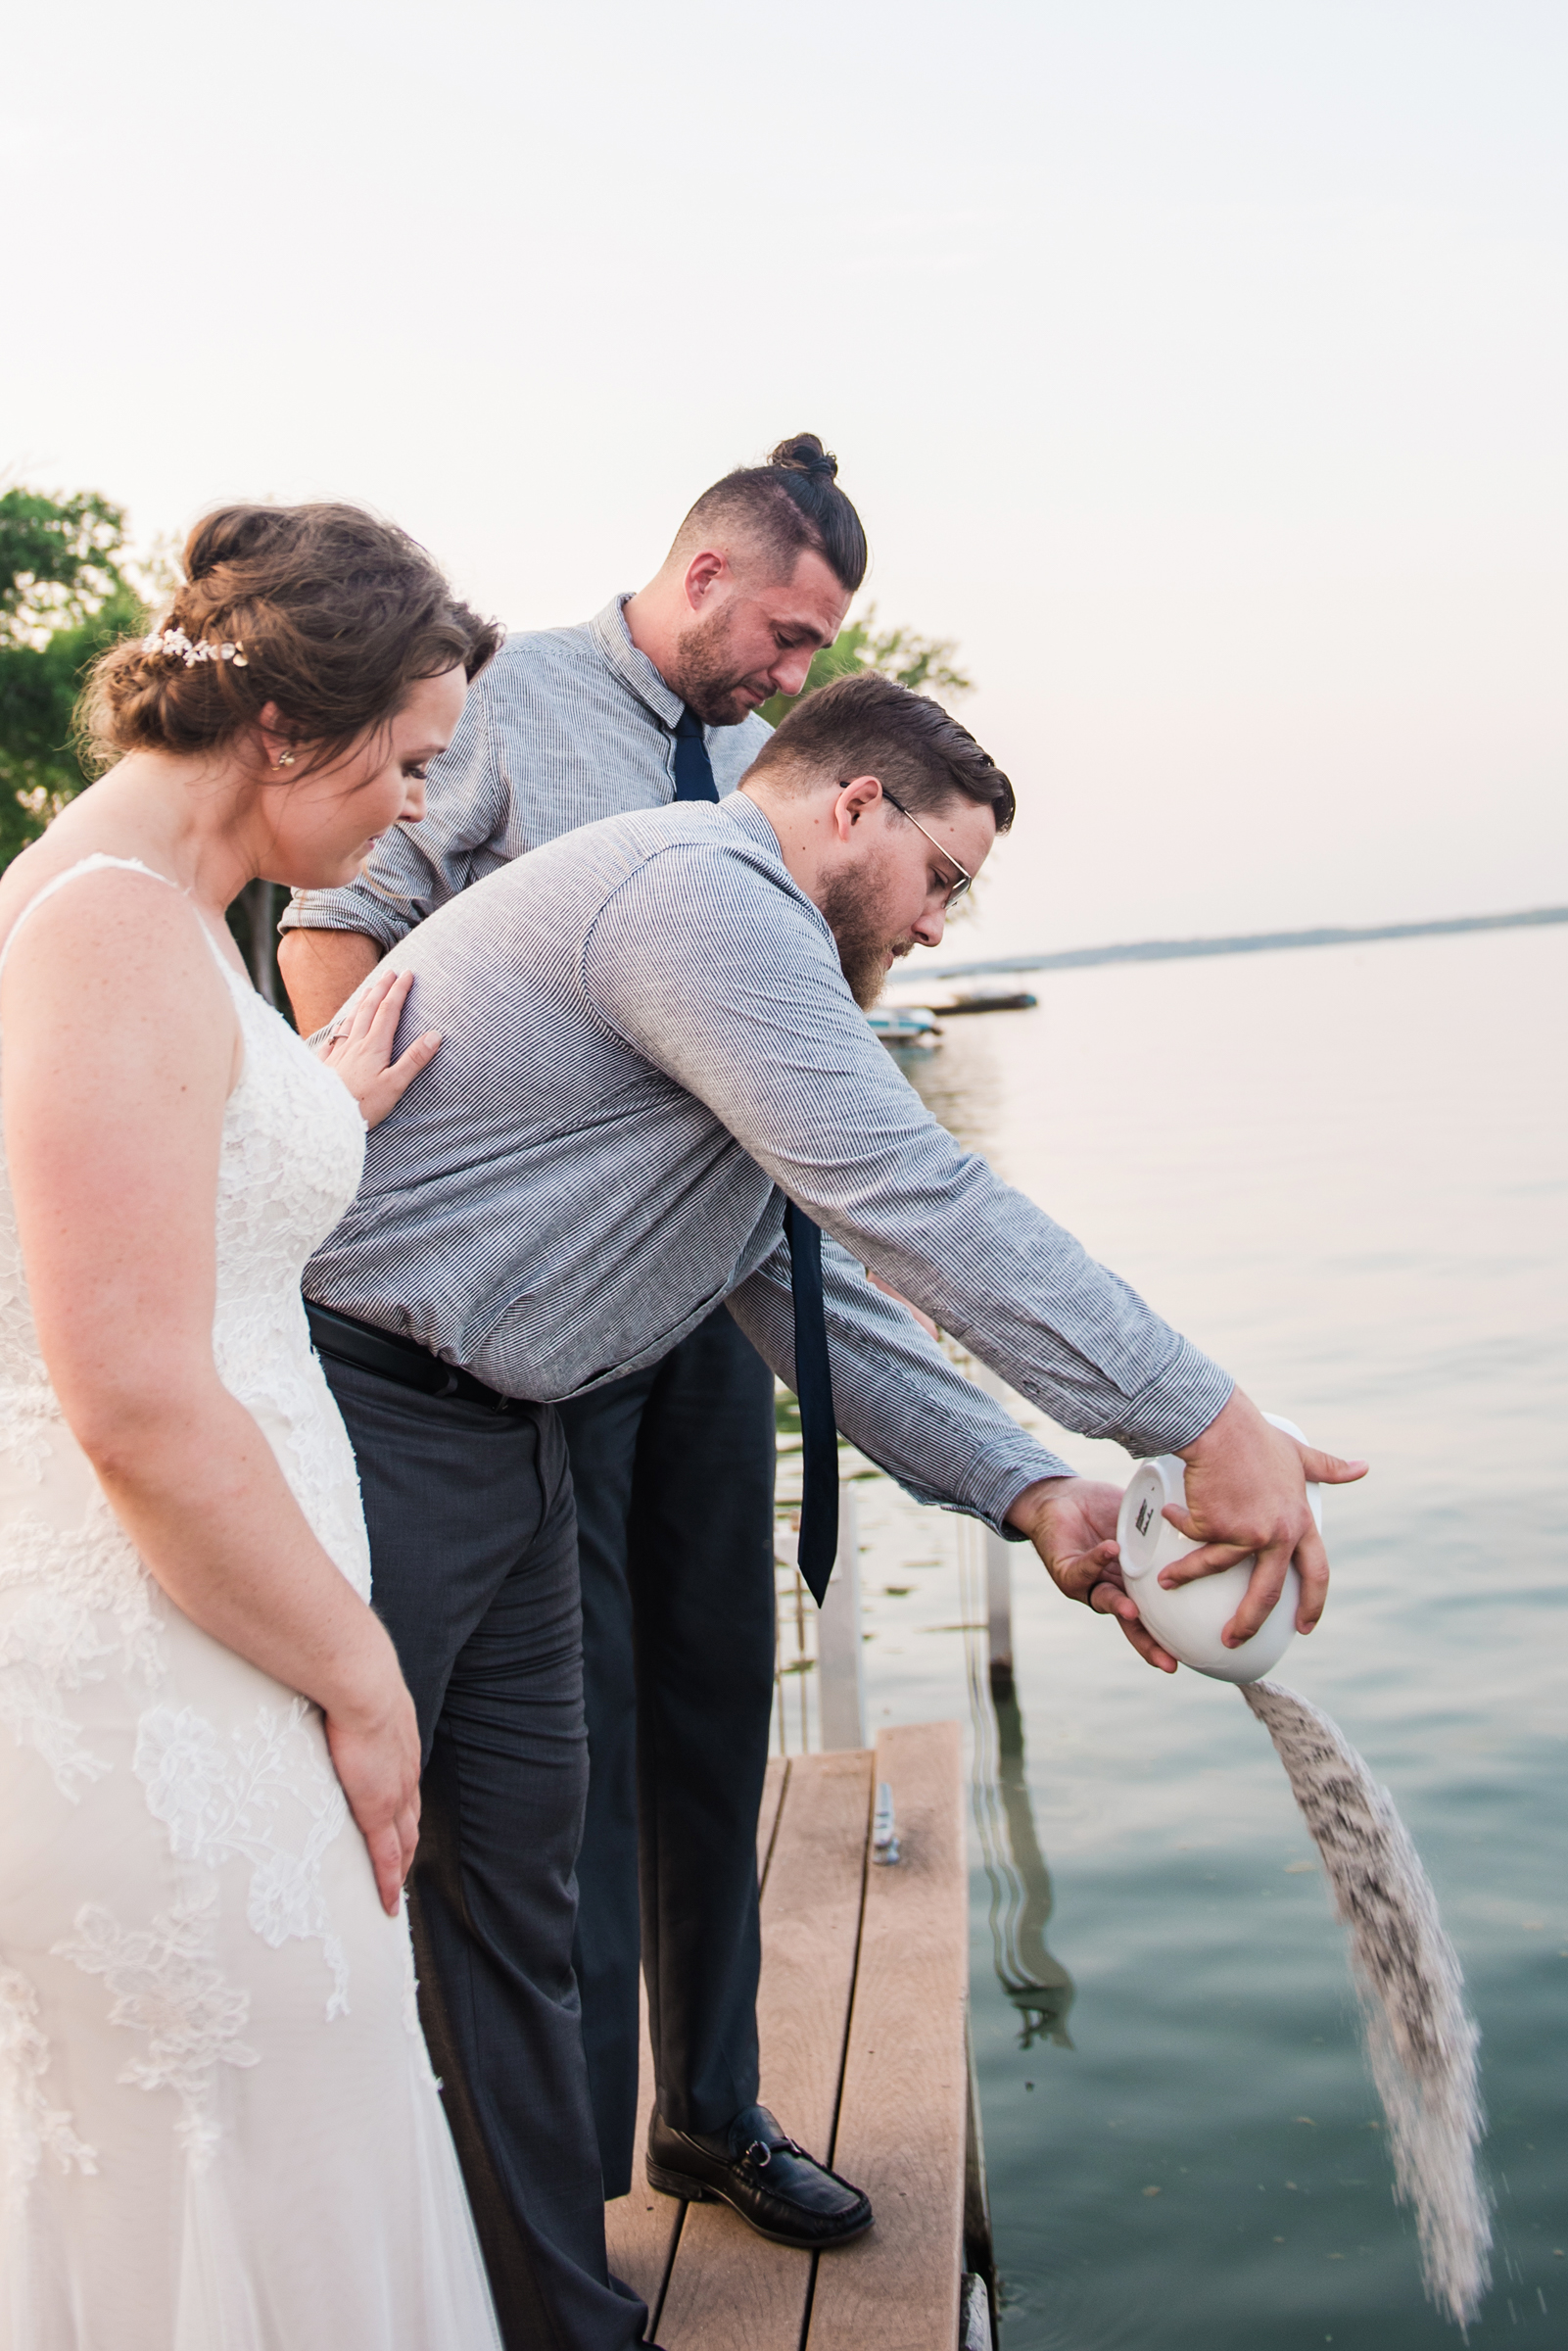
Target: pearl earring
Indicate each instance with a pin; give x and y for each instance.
(284, 760)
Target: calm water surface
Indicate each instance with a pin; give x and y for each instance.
(1344, 1173)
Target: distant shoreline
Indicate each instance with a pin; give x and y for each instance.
(1257, 943)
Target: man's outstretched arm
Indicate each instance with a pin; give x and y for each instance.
(944, 1438)
(948, 1442)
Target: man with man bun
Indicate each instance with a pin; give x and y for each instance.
(652, 701)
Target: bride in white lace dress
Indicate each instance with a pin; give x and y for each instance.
(218, 2128)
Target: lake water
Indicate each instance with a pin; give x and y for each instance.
(1344, 1173)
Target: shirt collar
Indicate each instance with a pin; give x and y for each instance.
(739, 808)
(742, 810)
(635, 670)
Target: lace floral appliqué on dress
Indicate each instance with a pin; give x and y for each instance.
(30, 2126)
(165, 1981)
(243, 1802)
(74, 1603)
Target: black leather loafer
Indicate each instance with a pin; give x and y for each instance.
(782, 2191)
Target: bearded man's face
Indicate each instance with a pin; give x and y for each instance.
(857, 907)
(712, 681)
(758, 638)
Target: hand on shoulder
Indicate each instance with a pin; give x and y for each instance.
(359, 1046)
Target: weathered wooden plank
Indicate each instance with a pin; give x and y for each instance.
(902, 2113)
(727, 2286)
(641, 2228)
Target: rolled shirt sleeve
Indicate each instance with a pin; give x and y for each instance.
(768, 1037)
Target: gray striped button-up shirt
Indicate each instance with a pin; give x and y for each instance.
(563, 726)
(647, 1041)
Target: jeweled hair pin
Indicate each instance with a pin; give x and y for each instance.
(190, 650)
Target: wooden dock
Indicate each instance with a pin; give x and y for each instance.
(862, 2017)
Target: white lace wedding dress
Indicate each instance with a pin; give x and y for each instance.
(219, 2127)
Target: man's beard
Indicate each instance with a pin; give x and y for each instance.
(705, 677)
(851, 906)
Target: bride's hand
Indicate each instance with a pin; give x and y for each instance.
(357, 1047)
(376, 1751)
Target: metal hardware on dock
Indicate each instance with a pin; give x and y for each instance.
(975, 2316)
(883, 1828)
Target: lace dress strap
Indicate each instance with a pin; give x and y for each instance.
(101, 862)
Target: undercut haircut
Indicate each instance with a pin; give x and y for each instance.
(871, 726)
(790, 505)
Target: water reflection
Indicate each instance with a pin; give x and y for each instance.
(963, 1090)
(1038, 1985)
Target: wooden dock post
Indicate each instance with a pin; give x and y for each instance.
(841, 1652)
(998, 1562)
(999, 1611)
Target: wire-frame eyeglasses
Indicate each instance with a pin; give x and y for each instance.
(967, 879)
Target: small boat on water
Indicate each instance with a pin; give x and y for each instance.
(905, 1025)
(919, 1025)
(1013, 1000)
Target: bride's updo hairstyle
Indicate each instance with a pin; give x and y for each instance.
(324, 610)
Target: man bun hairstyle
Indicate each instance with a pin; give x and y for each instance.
(871, 726)
(325, 610)
(790, 504)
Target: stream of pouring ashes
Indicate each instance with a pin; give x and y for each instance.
(1420, 2038)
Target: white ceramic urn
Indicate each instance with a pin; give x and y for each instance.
(1189, 1620)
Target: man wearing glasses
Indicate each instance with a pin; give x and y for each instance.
(654, 1087)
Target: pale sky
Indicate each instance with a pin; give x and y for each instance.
(1201, 366)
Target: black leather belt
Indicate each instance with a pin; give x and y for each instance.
(392, 1357)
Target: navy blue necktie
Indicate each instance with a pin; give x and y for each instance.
(693, 769)
(814, 1386)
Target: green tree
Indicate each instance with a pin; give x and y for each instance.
(923, 663)
(63, 597)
